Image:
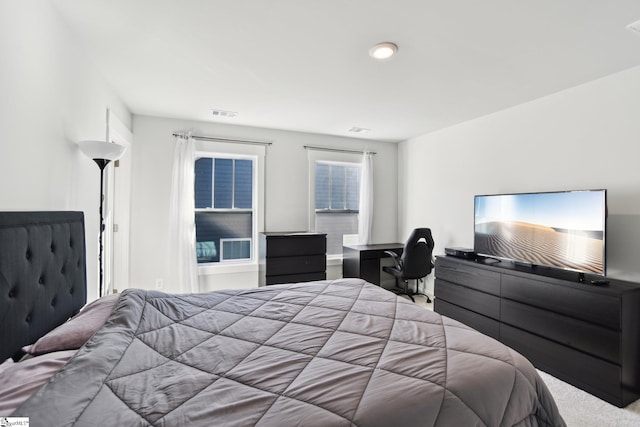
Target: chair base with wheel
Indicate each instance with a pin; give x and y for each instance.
(404, 289)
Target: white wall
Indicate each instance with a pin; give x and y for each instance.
(286, 193)
(586, 137)
(51, 98)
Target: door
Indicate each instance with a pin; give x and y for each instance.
(117, 218)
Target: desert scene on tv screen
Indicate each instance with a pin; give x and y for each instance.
(556, 233)
(540, 245)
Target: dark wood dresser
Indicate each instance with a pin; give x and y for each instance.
(292, 257)
(584, 334)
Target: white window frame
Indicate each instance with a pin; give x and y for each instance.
(345, 164)
(349, 159)
(257, 214)
(238, 239)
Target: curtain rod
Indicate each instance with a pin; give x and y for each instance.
(230, 140)
(337, 150)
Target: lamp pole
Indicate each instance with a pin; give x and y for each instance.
(102, 164)
(102, 153)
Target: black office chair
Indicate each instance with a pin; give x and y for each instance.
(415, 263)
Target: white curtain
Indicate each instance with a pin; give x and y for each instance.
(182, 228)
(365, 217)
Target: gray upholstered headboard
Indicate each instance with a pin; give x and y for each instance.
(42, 274)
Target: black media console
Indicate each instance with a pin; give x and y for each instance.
(585, 334)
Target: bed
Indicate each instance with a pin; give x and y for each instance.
(326, 353)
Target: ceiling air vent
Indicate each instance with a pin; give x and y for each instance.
(224, 114)
(356, 129)
(635, 27)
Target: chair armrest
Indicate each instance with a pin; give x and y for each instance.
(396, 258)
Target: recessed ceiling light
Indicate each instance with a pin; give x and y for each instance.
(383, 50)
(224, 113)
(635, 27)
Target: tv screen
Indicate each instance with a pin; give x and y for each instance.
(563, 229)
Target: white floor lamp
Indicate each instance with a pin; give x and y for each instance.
(102, 153)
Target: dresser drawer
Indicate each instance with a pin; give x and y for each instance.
(467, 275)
(480, 302)
(295, 278)
(583, 336)
(294, 245)
(474, 320)
(296, 265)
(562, 299)
(590, 373)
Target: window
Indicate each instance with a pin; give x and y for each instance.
(337, 198)
(224, 201)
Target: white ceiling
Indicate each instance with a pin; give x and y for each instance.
(303, 64)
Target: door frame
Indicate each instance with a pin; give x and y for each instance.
(118, 209)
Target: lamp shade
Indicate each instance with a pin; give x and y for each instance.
(102, 150)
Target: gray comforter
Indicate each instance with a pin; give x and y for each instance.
(329, 353)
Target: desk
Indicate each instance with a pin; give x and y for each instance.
(363, 261)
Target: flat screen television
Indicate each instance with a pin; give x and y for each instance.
(563, 229)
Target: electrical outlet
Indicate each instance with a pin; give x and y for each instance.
(159, 284)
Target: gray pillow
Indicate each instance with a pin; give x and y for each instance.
(72, 334)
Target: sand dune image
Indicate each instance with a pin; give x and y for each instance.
(540, 245)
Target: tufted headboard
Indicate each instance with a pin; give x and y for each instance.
(42, 275)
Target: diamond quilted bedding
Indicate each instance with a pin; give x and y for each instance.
(328, 353)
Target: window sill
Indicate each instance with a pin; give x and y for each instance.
(229, 268)
(333, 260)
(212, 269)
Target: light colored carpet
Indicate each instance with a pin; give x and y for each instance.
(581, 409)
